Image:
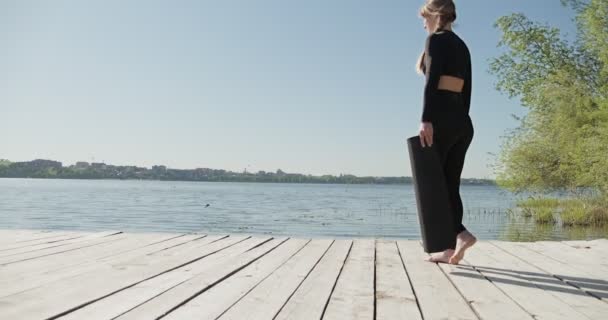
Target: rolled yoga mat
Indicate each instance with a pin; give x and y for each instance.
(432, 199)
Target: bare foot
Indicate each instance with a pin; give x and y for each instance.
(465, 240)
(441, 257)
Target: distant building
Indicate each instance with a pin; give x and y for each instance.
(98, 165)
(81, 165)
(40, 164)
(159, 168)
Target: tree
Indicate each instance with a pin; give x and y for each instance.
(562, 141)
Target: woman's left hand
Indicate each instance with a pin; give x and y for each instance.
(426, 134)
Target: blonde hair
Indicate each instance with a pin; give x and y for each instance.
(446, 11)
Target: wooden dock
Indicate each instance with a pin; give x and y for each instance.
(115, 275)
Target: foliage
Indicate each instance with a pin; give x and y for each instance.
(591, 212)
(83, 170)
(544, 215)
(562, 141)
(578, 211)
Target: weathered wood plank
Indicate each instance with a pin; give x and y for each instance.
(353, 296)
(310, 299)
(55, 298)
(437, 297)
(67, 270)
(119, 244)
(562, 253)
(267, 299)
(25, 235)
(539, 294)
(219, 272)
(211, 303)
(9, 238)
(125, 300)
(395, 297)
(591, 254)
(566, 272)
(29, 253)
(80, 275)
(21, 247)
(488, 301)
(600, 245)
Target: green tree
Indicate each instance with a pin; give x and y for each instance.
(562, 141)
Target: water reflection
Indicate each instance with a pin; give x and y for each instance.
(525, 229)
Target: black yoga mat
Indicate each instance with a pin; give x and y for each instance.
(434, 212)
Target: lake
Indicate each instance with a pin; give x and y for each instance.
(300, 210)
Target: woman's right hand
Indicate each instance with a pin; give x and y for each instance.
(426, 134)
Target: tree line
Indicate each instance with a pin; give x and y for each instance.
(49, 169)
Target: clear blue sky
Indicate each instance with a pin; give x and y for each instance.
(315, 87)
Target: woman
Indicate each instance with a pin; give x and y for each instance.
(445, 122)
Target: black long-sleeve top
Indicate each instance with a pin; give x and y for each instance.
(445, 54)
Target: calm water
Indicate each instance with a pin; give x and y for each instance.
(316, 210)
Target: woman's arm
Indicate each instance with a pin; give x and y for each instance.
(434, 58)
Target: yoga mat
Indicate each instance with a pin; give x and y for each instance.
(434, 211)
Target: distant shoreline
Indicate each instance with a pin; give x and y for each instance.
(49, 169)
(464, 182)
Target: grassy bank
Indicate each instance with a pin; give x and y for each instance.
(569, 212)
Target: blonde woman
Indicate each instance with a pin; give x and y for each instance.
(445, 122)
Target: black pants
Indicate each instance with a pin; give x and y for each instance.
(453, 133)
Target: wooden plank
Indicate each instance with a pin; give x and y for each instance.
(118, 243)
(310, 299)
(540, 295)
(9, 233)
(488, 301)
(58, 297)
(566, 272)
(223, 278)
(216, 275)
(148, 276)
(21, 276)
(9, 237)
(599, 244)
(29, 253)
(395, 297)
(267, 299)
(48, 235)
(579, 299)
(27, 246)
(595, 250)
(22, 235)
(123, 301)
(44, 263)
(28, 282)
(437, 297)
(353, 296)
(565, 254)
(212, 302)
